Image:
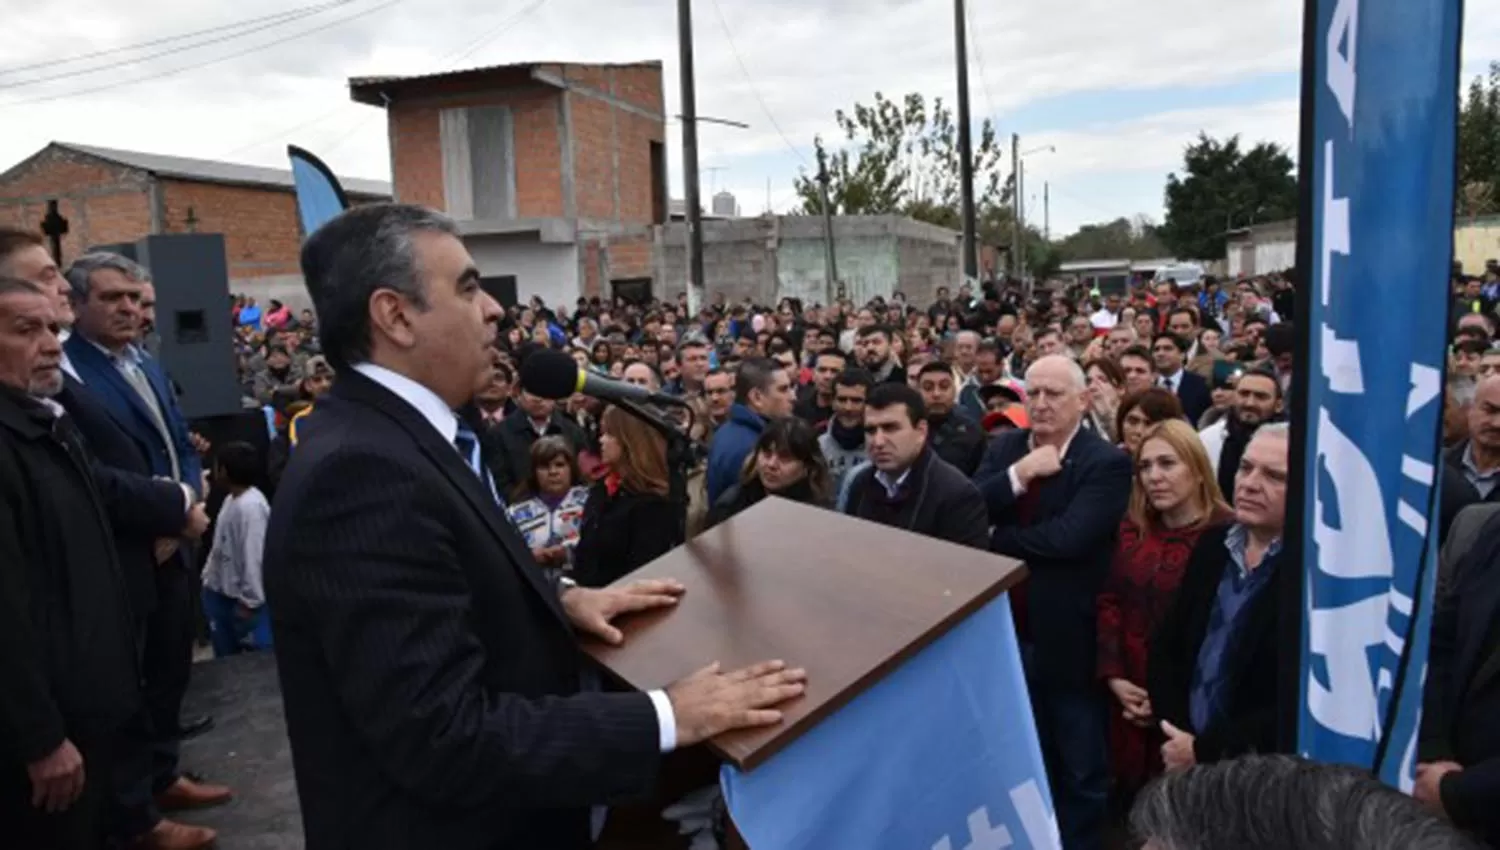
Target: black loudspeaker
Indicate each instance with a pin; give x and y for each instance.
(191, 275)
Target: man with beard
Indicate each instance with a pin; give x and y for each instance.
(952, 434)
(1257, 400)
(815, 401)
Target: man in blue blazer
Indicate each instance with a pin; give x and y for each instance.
(1056, 494)
(123, 402)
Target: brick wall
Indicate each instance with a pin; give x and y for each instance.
(610, 146)
(261, 234)
(102, 202)
(417, 153)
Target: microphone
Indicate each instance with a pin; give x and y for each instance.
(555, 375)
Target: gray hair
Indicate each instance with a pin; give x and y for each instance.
(1080, 380)
(1281, 801)
(364, 249)
(1274, 429)
(80, 274)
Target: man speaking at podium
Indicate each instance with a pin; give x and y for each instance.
(429, 671)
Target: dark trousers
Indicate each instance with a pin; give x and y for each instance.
(81, 826)
(1072, 728)
(148, 752)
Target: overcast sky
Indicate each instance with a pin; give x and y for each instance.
(1118, 87)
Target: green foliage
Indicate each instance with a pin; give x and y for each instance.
(1479, 147)
(901, 157)
(1122, 239)
(1223, 187)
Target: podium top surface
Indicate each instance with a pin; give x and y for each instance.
(846, 599)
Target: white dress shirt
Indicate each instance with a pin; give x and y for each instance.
(1015, 480)
(445, 422)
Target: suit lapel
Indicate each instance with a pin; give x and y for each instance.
(120, 399)
(1482, 593)
(358, 388)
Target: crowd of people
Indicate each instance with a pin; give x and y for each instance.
(1131, 448)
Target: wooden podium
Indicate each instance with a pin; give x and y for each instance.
(846, 599)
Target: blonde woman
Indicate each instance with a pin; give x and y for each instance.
(1175, 499)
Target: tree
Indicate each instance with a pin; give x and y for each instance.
(1222, 188)
(1122, 239)
(902, 158)
(1479, 146)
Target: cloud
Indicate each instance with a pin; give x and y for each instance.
(803, 59)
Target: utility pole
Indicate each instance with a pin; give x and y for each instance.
(1047, 211)
(1021, 218)
(965, 147)
(1015, 205)
(694, 211)
(830, 260)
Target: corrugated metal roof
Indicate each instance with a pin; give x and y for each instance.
(213, 171)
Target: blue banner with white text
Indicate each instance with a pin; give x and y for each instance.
(1385, 91)
(320, 197)
(940, 754)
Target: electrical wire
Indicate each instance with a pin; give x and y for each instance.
(724, 24)
(83, 72)
(984, 77)
(129, 48)
(197, 65)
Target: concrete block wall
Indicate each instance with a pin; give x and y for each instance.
(766, 259)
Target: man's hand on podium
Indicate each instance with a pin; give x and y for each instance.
(709, 702)
(592, 611)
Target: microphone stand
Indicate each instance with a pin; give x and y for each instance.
(679, 456)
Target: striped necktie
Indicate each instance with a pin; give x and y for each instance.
(467, 443)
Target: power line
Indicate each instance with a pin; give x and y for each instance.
(984, 81)
(724, 24)
(286, 18)
(195, 66)
(53, 63)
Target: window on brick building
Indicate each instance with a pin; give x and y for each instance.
(502, 288)
(479, 173)
(636, 290)
(659, 209)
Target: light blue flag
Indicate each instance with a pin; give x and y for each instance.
(319, 195)
(1385, 98)
(941, 754)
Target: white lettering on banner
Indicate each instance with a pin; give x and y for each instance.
(1037, 821)
(1344, 637)
(1361, 546)
(1341, 66)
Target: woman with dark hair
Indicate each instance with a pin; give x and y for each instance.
(547, 507)
(1106, 385)
(1139, 411)
(785, 462)
(628, 521)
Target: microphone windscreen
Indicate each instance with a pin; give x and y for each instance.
(549, 374)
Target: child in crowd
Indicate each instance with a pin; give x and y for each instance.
(233, 597)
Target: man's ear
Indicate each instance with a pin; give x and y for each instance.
(390, 317)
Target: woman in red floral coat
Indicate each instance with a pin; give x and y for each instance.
(1175, 499)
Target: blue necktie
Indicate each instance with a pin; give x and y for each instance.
(467, 443)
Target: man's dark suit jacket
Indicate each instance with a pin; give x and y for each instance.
(67, 652)
(1249, 724)
(429, 675)
(1067, 545)
(1195, 396)
(1461, 716)
(141, 510)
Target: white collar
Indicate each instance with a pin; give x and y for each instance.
(424, 400)
(1067, 444)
